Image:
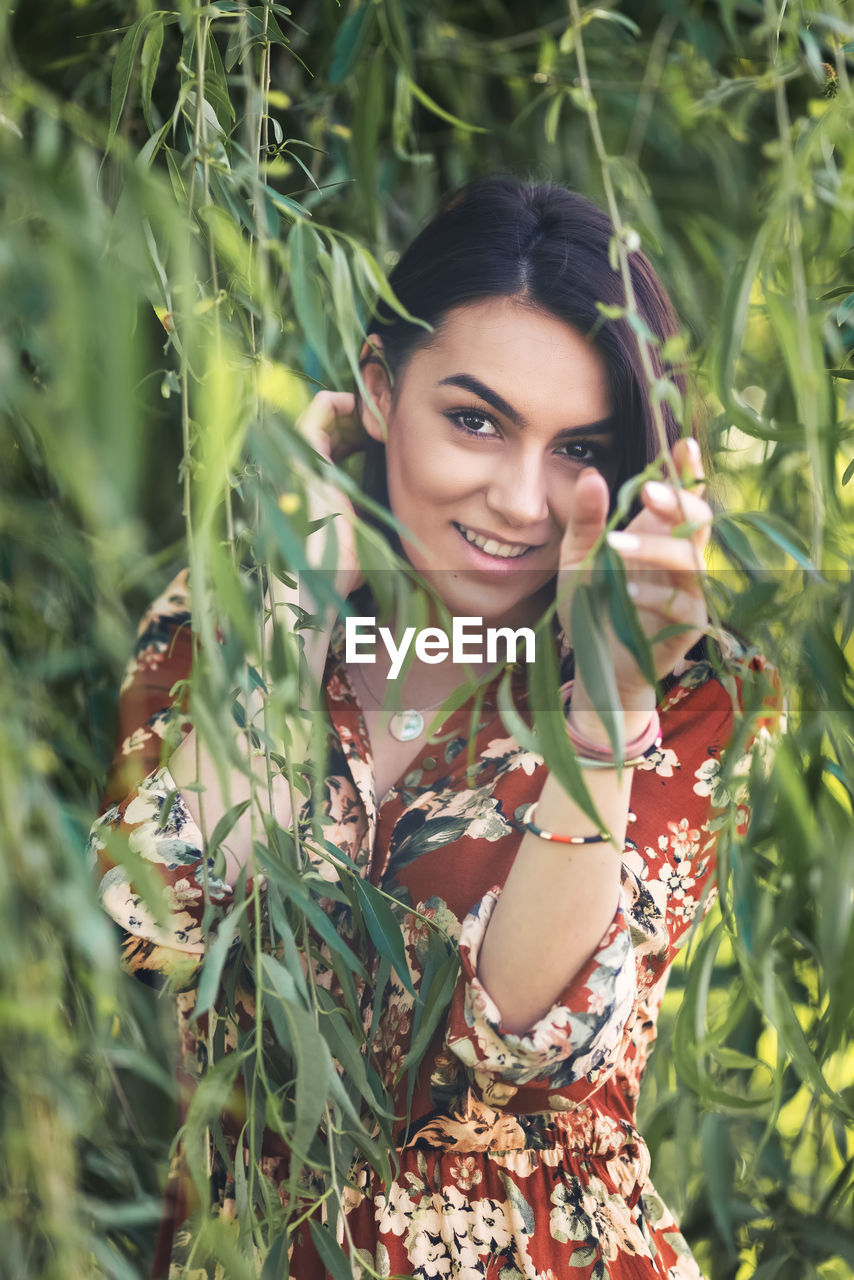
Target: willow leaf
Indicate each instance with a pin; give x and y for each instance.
(593, 663)
(330, 1252)
(383, 929)
(550, 727)
(215, 958)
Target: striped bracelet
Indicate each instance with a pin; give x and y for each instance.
(604, 837)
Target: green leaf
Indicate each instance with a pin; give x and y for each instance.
(226, 824)
(431, 105)
(148, 64)
(276, 1263)
(611, 15)
(283, 983)
(513, 722)
(803, 1058)
(719, 1168)
(316, 916)
(553, 116)
(369, 105)
(734, 542)
(211, 1096)
(346, 1048)
(383, 929)
(306, 254)
(215, 958)
(123, 70)
(624, 616)
(349, 325)
(550, 726)
(734, 319)
(330, 1252)
(367, 263)
(350, 41)
(778, 531)
(216, 86)
(593, 662)
(314, 1071)
(434, 1000)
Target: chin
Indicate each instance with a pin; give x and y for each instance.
(495, 607)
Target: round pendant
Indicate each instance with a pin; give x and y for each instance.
(406, 725)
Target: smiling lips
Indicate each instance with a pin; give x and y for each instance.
(501, 550)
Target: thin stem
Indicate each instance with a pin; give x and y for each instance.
(794, 241)
(628, 284)
(649, 86)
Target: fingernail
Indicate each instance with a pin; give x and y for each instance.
(619, 540)
(661, 494)
(633, 590)
(693, 449)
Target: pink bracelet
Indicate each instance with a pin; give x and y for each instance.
(595, 755)
(638, 745)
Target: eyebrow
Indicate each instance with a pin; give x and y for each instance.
(467, 382)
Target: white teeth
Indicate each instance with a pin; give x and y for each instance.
(504, 550)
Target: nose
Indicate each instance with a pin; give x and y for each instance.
(517, 489)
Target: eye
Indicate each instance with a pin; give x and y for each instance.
(473, 422)
(586, 451)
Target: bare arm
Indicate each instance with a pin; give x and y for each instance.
(529, 955)
(192, 762)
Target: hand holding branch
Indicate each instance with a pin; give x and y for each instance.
(662, 549)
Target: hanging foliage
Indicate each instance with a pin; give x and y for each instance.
(200, 205)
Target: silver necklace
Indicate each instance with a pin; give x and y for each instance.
(404, 726)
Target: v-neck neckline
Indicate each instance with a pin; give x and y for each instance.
(374, 803)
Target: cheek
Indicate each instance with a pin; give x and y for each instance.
(561, 491)
(423, 473)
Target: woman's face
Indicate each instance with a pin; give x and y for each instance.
(491, 425)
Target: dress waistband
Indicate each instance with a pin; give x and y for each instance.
(479, 1127)
(577, 1136)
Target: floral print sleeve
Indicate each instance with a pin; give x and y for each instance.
(146, 823)
(578, 1035)
(161, 930)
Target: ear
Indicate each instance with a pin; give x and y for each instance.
(375, 416)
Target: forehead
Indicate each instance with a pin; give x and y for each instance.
(537, 362)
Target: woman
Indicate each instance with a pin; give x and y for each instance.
(498, 438)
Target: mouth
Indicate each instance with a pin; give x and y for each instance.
(492, 546)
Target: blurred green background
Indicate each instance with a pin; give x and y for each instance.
(197, 206)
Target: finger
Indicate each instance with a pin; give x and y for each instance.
(675, 506)
(669, 603)
(654, 551)
(587, 517)
(326, 420)
(689, 463)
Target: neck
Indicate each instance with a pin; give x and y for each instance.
(399, 678)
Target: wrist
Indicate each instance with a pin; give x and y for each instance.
(637, 709)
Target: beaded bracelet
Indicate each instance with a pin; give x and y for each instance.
(604, 837)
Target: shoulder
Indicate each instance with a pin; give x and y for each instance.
(725, 680)
(168, 610)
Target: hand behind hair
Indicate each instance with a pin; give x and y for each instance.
(331, 426)
(664, 571)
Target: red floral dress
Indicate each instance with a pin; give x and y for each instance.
(521, 1157)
